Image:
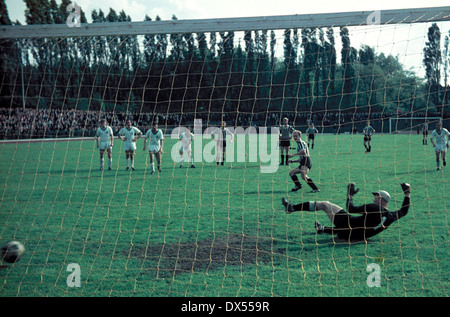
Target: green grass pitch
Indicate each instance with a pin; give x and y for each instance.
(217, 231)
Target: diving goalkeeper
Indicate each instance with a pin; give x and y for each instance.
(373, 219)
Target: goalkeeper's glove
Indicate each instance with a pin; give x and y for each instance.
(406, 188)
(351, 191)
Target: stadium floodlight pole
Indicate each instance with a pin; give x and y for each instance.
(358, 18)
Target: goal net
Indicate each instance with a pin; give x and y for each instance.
(204, 217)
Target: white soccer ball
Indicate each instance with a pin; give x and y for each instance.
(12, 251)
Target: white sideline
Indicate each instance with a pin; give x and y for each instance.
(47, 140)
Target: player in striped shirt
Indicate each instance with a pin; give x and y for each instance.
(305, 164)
(129, 136)
(368, 131)
(155, 147)
(311, 132)
(105, 141)
(439, 138)
(285, 140)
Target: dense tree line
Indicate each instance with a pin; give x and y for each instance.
(212, 73)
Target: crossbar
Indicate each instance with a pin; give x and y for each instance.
(399, 16)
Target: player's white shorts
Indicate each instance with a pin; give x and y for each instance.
(154, 148)
(129, 146)
(440, 148)
(185, 148)
(104, 145)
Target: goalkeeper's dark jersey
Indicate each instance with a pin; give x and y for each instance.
(373, 219)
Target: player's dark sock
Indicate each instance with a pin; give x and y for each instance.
(370, 148)
(296, 181)
(311, 184)
(306, 206)
(282, 160)
(287, 160)
(444, 162)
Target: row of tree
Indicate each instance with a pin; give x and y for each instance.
(212, 73)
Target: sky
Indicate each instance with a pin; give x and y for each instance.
(206, 9)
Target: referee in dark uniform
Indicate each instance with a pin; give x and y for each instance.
(285, 140)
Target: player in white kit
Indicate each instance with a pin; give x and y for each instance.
(155, 147)
(129, 136)
(439, 139)
(105, 141)
(185, 147)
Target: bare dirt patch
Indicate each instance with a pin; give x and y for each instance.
(177, 258)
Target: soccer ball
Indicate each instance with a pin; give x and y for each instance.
(12, 251)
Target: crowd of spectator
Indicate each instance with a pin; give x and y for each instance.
(19, 123)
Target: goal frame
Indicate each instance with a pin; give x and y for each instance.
(339, 19)
(392, 119)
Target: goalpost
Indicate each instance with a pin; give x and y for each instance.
(213, 230)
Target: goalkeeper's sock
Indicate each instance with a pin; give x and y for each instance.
(102, 162)
(128, 162)
(306, 206)
(110, 163)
